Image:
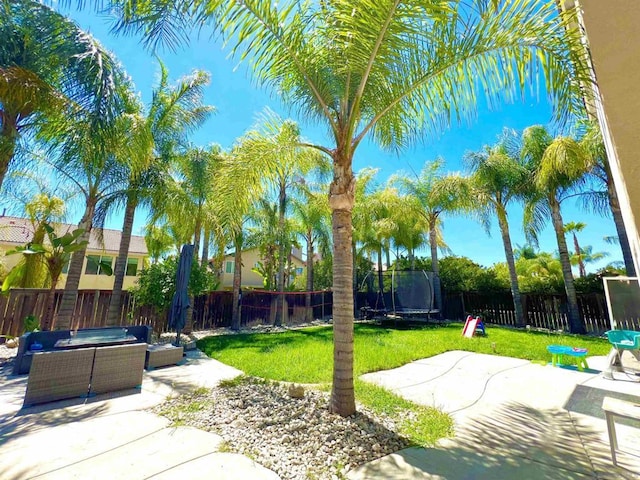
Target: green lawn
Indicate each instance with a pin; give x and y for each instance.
(305, 356)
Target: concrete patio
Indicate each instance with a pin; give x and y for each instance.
(110, 436)
(514, 419)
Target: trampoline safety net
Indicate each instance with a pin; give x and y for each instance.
(412, 292)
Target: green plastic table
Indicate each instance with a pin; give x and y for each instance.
(557, 351)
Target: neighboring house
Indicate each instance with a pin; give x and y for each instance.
(250, 260)
(15, 232)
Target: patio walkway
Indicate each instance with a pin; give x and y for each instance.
(514, 419)
(111, 436)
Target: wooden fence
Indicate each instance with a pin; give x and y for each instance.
(90, 311)
(214, 310)
(540, 311)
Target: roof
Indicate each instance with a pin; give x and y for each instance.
(19, 231)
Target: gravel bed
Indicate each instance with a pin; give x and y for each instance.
(7, 356)
(295, 437)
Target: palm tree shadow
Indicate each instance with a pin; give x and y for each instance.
(512, 441)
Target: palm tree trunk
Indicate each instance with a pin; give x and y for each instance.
(196, 238)
(513, 275)
(341, 200)
(576, 246)
(50, 306)
(433, 243)
(113, 316)
(614, 205)
(575, 323)
(282, 199)
(70, 295)
(237, 282)
(205, 246)
(309, 288)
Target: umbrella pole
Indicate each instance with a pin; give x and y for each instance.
(177, 344)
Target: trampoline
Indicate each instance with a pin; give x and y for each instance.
(412, 293)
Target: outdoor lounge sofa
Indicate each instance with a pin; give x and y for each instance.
(59, 375)
(47, 340)
(117, 368)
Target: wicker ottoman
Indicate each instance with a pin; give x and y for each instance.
(161, 355)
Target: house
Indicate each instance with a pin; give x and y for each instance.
(251, 259)
(16, 231)
(610, 33)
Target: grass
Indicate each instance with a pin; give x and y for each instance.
(306, 356)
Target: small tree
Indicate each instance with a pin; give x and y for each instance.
(56, 255)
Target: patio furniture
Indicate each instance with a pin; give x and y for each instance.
(621, 340)
(88, 337)
(117, 368)
(162, 355)
(59, 375)
(558, 351)
(618, 408)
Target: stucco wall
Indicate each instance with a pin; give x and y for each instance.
(613, 33)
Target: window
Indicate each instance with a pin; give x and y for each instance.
(228, 268)
(65, 267)
(299, 270)
(95, 262)
(132, 267)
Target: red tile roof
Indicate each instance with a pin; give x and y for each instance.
(19, 231)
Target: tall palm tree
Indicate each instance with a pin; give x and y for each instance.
(311, 211)
(601, 170)
(276, 145)
(573, 228)
(387, 70)
(48, 67)
(497, 178)
(175, 111)
(436, 193)
(558, 167)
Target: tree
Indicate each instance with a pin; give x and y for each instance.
(600, 169)
(435, 193)
(388, 71)
(311, 213)
(55, 256)
(91, 152)
(175, 110)
(558, 166)
(48, 67)
(497, 178)
(573, 228)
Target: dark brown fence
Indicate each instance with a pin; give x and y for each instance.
(90, 311)
(212, 310)
(259, 307)
(541, 311)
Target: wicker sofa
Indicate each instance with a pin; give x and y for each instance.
(82, 372)
(25, 352)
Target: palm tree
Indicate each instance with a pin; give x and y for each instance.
(276, 146)
(91, 153)
(173, 113)
(435, 193)
(387, 70)
(311, 211)
(573, 228)
(558, 167)
(601, 170)
(496, 179)
(48, 67)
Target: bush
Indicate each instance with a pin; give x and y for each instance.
(157, 283)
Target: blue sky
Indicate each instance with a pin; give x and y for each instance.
(238, 101)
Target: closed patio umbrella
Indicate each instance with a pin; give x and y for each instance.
(180, 302)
